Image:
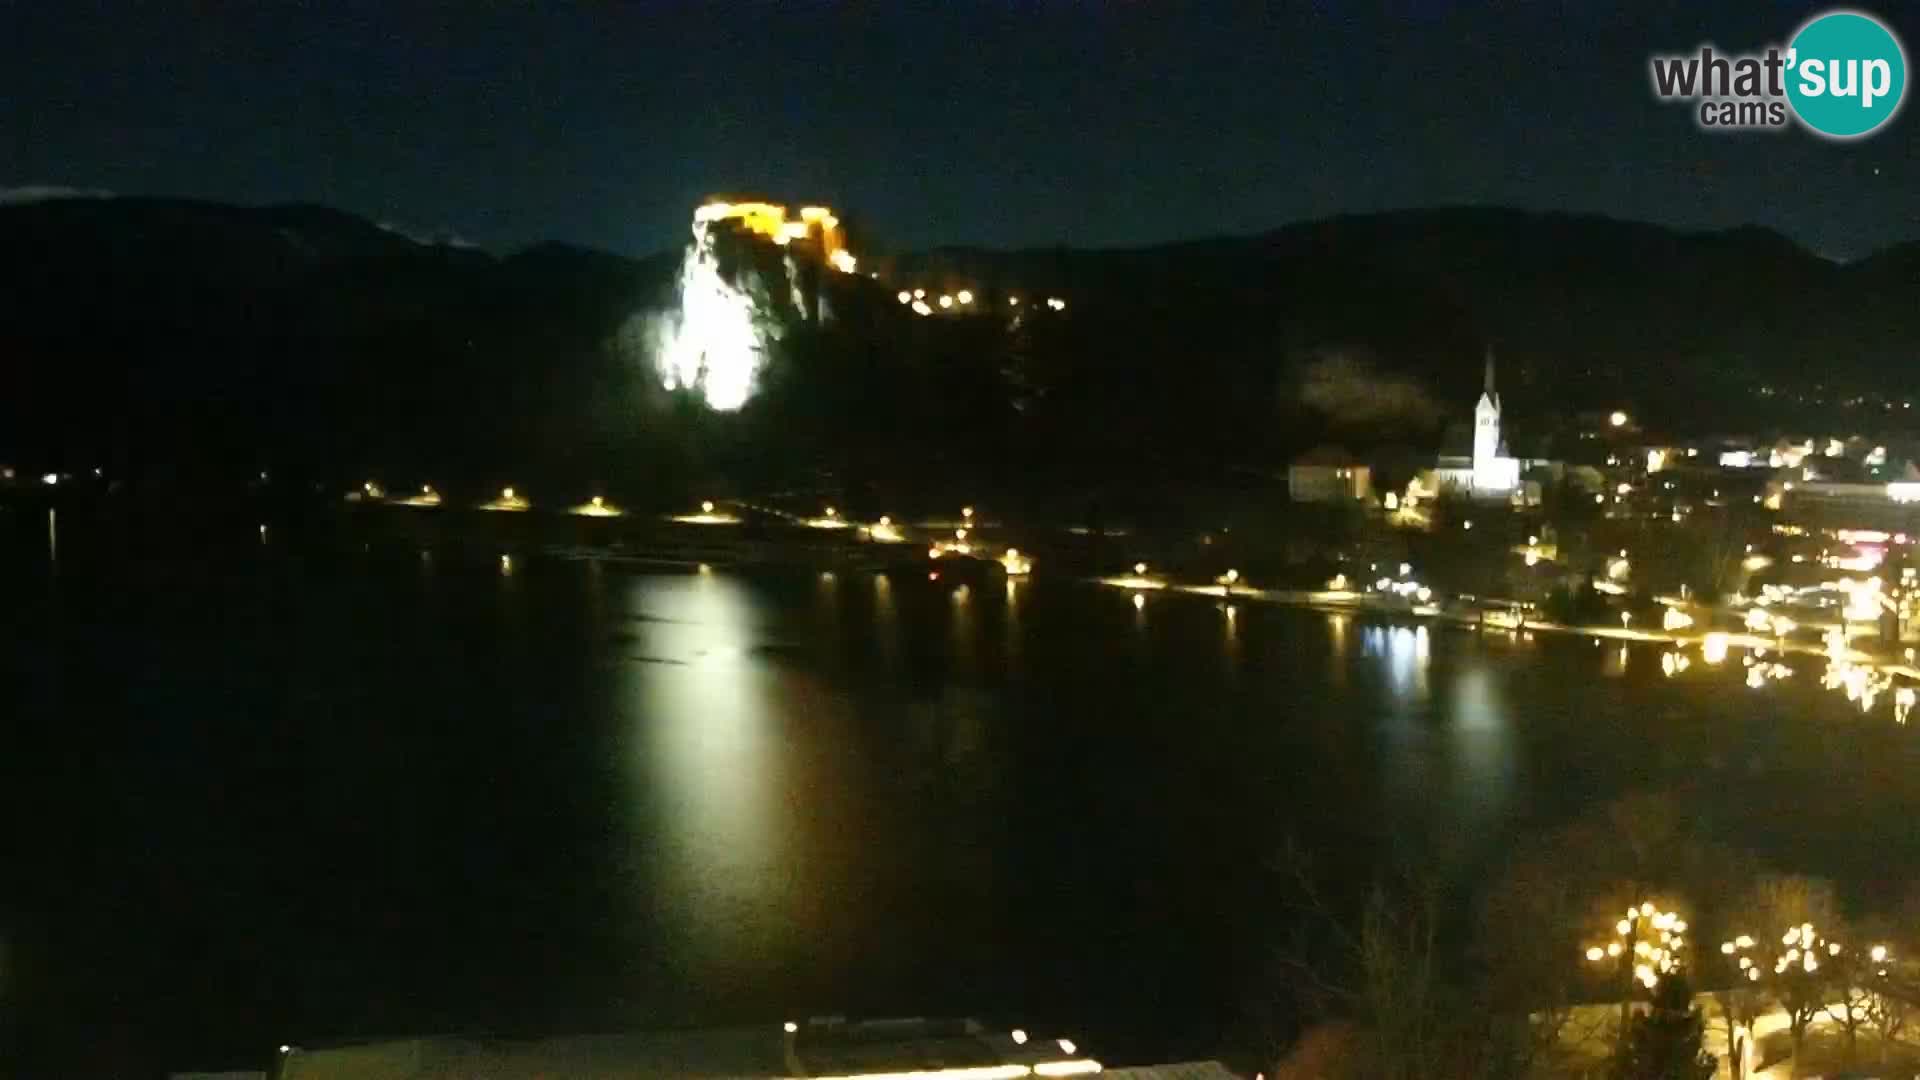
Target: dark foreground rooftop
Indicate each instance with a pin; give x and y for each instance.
(821, 1048)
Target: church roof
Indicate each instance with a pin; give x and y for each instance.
(1326, 455)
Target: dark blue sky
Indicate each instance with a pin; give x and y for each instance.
(1089, 123)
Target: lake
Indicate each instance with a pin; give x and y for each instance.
(262, 791)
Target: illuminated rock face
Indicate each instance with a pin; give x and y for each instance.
(748, 273)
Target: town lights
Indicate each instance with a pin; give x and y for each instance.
(596, 507)
(1713, 649)
(965, 296)
(508, 499)
(903, 296)
(706, 506)
(1617, 419)
(1140, 569)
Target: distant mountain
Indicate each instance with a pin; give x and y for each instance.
(147, 330)
(141, 330)
(1577, 307)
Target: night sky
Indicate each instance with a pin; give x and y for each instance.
(1091, 123)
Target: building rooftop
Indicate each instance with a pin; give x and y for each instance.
(830, 1047)
(1326, 455)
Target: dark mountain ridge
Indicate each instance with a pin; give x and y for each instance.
(138, 330)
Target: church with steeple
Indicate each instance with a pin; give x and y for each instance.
(1489, 472)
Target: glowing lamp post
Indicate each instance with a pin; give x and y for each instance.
(1739, 952)
(1645, 946)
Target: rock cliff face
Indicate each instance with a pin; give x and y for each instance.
(745, 276)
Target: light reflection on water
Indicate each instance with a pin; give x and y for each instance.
(705, 768)
(1010, 638)
(1481, 738)
(886, 623)
(962, 630)
(1404, 653)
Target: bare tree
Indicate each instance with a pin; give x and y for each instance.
(1384, 975)
(1785, 919)
(1526, 944)
(1740, 1005)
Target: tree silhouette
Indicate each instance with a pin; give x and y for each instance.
(1664, 1043)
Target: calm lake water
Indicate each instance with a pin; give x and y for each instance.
(278, 793)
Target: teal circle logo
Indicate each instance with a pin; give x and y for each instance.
(1846, 74)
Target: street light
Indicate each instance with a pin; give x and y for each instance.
(1647, 946)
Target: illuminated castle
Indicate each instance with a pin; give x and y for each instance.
(737, 292)
(816, 226)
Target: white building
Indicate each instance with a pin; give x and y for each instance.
(1490, 472)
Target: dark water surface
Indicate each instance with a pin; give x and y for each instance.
(265, 793)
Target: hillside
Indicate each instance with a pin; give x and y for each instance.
(159, 334)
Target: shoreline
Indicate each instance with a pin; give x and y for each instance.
(1341, 602)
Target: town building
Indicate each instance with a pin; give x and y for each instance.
(1329, 474)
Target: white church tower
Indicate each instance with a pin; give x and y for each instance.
(1493, 470)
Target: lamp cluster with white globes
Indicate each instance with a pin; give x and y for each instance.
(1654, 938)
